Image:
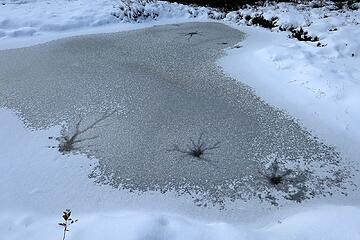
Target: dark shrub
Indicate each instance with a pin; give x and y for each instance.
(247, 17)
(226, 4)
(349, 4)
(302, 35)
(259, 20)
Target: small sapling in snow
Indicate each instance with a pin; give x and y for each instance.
(68, 221)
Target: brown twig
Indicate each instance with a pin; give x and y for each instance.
(67, 143)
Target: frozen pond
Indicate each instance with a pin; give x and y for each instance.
(168, 90)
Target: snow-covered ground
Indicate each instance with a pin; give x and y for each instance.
(29, 22)
(320, 86)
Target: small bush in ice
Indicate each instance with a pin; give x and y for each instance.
(275, 176)
(197, 149)
(67, 222)
(68, 142)
(189, 35)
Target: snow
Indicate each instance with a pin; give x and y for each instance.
(25, 23)
(330, 223)
(52, 15)
(319, 86)
(39, 183)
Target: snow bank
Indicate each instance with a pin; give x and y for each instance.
(146, 10)
(330, 223)
(320, 86)
(19, 18)
(44, 20)
(37, 183)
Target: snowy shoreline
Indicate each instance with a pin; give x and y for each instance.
(319, 86)
(315, 97)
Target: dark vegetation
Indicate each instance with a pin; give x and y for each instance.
(302, 35)
(68, 142)
(197, 149)
(227, 5)
(230, 5)
(350, 4)
(275, 176)
(67, 221)
(134, 12)
(189, 35)
(259, 20)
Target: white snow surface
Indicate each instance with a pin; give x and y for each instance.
(319, 86)
(28, 22)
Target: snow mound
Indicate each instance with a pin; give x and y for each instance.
(41, 17)
(330, 223)
(20, 18)
(327, 222)
(140, 11)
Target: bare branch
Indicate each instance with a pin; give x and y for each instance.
(191, 34)
(105, 116)
(67, 143)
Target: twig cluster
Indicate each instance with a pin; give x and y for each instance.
(275, 176)
(197, 149)
(68, 143)
(191, 34)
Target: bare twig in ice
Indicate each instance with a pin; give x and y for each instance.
(197, 149)
(68, 143)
